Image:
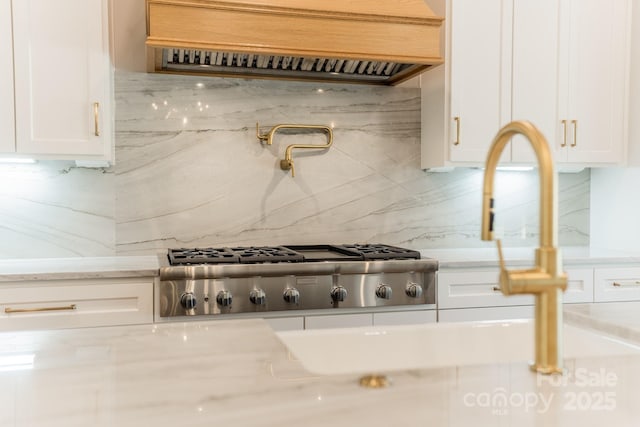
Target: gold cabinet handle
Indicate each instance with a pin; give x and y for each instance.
(34, 310)
(575, 133)
(564, 134)
(621, 285)
(96, 118)
(457, 141)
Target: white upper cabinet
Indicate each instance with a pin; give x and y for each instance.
(594, 64)
(62, 79)
(479, 77)
(7, 116)
(534, 65)
(516, 60)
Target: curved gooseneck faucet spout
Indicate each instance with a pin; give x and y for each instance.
(546, 280)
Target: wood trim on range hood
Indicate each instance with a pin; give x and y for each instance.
(357, 41)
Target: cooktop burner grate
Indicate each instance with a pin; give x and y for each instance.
(202, 256)
(291, 253)
(382, 252)
(252, 254)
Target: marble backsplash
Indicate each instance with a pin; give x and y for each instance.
(190, 172)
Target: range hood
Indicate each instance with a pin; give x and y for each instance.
(357, 41)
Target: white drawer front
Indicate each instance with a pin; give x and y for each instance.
(617, 284)
(474, 289)
(72, 304)
(579, 286)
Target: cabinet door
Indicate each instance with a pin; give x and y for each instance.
(338, 321)
(7, 122)
(62, 82)
(286, 323)
(75, 304)
(480, 76)
(411, 317)
(535, 72)
(594, 60)
(617, 284)
(462, 289)
(579, 286)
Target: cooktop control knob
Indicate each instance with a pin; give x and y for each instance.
(413, 290)
(257, 297)
(338, 293)
(224, 298)
(384, 291)
(291, 295)
(188, 300)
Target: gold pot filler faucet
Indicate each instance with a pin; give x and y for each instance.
(546, 280)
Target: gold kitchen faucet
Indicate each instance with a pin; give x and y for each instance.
(546, 281)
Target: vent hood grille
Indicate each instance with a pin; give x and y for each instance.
(295, 67)
(261, 38)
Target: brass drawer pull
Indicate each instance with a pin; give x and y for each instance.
(33, 310)
(564, 133)
(575, 132)
(96, 118)
(621, 285)
(457, 141)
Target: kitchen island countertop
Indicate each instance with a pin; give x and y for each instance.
(620, 319)
(238, 373)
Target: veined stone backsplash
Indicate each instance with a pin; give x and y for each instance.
(190, 172)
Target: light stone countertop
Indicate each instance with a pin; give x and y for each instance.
(488, 257)
(621, 319)
(237, 373)
(145, 266)
(78, 268)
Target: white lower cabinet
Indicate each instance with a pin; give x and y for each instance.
(60, 304)
(351, 320)
(579, 285)
(474, 288)
(338, 321)
(466, 295)
(405, 317)
(485, 313)
(617, 284)
(286, 323)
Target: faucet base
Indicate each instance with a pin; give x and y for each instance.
(546, 370)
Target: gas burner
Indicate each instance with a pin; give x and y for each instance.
(382, 252)
(263, 254)
(202, 256)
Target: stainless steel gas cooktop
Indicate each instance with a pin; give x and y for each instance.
(260, 279)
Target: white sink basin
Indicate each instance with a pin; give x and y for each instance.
(390, 348)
